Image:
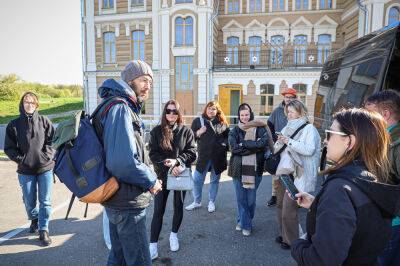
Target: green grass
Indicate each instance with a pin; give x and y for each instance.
(2, 154)
(9, 109)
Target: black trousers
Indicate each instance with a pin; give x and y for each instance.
(160, 201)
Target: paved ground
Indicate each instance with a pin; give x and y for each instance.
(205, 239)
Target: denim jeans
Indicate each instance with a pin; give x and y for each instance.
(106, 230)
(246, 202)
(129, 242)
(199, 182)
(391, 254)
(34, 186)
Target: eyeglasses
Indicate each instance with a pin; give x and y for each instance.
(29, 103)
(328, 133)
(171, 111)
(290, 97)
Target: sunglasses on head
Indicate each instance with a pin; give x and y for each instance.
(328, 133)
(171, 111)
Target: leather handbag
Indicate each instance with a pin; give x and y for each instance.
(272, 161)
(183, 182)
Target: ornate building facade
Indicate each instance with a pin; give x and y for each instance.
(230, 50)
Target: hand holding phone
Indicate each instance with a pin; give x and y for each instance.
(289, 185)
(278, 133)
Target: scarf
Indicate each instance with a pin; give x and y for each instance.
(249, 162)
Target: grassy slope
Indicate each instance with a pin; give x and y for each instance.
(9, 109)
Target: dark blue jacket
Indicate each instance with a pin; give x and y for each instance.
(349, 221)
(126, 158)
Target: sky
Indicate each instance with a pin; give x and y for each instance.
(40, 41)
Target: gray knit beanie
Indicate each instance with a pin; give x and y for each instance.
(135, 69)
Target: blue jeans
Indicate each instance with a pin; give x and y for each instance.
(391, 254)
(129, 242)
(246, 202)
(199, 182)
(33, 186)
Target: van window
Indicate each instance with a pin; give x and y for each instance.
(345, 88)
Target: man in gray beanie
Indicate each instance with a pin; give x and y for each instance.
(126, 159)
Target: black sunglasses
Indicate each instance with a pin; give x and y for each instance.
(171, 111)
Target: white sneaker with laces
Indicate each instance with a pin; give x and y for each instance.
(211, 206)
(238, 227)
(153, 251)
(192, 206)
(173, 242)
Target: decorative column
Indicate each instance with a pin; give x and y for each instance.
(156, 58)
(377, 14)
(91, 97)
(165, 55)
(202, 71)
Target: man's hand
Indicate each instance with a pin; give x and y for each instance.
(157, 187)
(201, 131)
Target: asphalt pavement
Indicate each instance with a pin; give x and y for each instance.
(205, 238)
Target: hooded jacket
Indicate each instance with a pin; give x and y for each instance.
(241, 147)
(349, 221)
(394, 152)
(277, 120)
(126, 158)
(28, 142)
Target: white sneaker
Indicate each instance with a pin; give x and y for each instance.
(238, 227)
(153, 251)
(173, 242)
(211, 206)
(246, 232)
(193, 206)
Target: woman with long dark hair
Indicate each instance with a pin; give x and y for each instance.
(172, 147)
(349, 221)
(211, 132)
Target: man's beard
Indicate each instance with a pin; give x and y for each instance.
(136, 91)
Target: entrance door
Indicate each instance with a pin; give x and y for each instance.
(230, 97)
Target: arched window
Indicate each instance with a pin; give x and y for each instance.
(109, 47)
(394, 15)
(324, 47)
(278, 5)
(300, 49)
(233, 6)
(277, 43)
(232, 48)
(325, 4)
(184, 31)
(267, 98)
(254, 48)
(301, 4)
(255, 6)
(301, 91)
(138, 44)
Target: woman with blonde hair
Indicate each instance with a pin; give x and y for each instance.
(303, 145)
(211, 132)
(349, 221)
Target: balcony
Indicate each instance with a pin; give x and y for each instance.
(270, 59)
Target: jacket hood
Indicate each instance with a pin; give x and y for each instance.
(112, 87)
(22, 112)
(395, 135)
(251, 111)
(385, 196)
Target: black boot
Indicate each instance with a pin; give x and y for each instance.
(34, 226)
(44, 237)
(272, 201)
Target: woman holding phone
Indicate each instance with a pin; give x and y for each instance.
(305, 147)
(172, 147)
(349, 221)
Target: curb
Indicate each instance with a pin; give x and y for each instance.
(4, 159)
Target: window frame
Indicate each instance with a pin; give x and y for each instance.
(178, 73)
(323, 49)
(139, 43)
(267, 108)
(185, 27)
(109, 48)
(232, 50)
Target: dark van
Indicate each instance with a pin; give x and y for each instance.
(366, 65)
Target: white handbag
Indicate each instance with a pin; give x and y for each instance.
(184, 181)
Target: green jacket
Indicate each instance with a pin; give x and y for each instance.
(394, 151)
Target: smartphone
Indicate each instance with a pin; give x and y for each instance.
(278, 133)
(287, 182)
